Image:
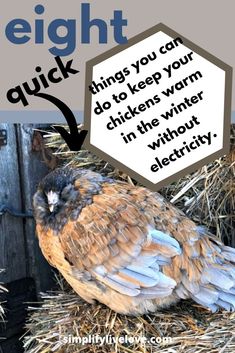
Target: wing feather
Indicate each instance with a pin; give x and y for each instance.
(123, 249)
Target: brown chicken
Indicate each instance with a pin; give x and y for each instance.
(127, 247)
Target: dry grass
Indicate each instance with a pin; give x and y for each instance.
(207, 196)
(187, 327)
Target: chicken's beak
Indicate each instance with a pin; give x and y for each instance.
(52, 200)
(51, 208)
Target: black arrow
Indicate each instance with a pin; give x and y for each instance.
(74, 139)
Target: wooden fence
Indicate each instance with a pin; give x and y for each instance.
(26, 271)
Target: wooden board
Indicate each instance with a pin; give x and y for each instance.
(21, 169)
(33, 169)
(26, 271)
(12, 243)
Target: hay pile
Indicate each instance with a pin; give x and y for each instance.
(184, 328)
(207, 196)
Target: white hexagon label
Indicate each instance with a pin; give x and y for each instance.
(158, 107)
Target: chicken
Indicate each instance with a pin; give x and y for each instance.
(127, 247)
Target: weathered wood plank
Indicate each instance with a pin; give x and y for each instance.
(12, 243)
(32, 170)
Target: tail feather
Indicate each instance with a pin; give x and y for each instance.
(223, 293)
(218, 277)
(228, 253)
(224, 305)
(215, 300)
(228, 297)
(215, 287)
(231, 291)
(206, 295)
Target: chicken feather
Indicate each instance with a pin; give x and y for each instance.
(127, 247)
